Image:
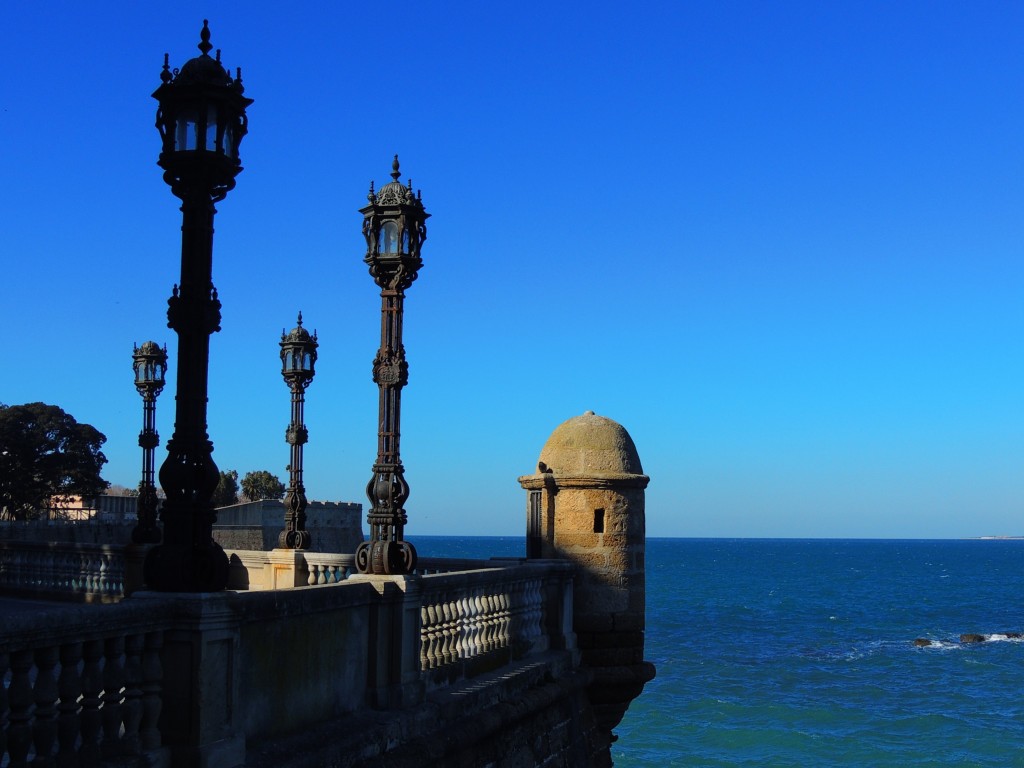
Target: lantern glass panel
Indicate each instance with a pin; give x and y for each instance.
(211, 128)
(307, 362)
(389, 237)
(185, 130)
(229, 141)
(405, 241)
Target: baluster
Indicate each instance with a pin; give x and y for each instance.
(312, 568)
(424, 637)
(505, 623)
(132, 708)
(88, 574)
(75, 575)
(56, 572)
(113, 687)
(514, 626)
(116, 576)
(470, 645)
(456, 630)
(67, 576)
(5, 711)
(495, 639)
(451, 614)
(152, 690)
(69, 686)
(19, 733)
(461, 619)
(494, 629)
(537, 612)
(44, 725)
(434, 636)
(444, 633)
(92, 690)
(101, 582)
(484, 639)
(66, 572)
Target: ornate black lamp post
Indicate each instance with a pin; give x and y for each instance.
(150, 363)
(201, 119)
(298, 358)
(394, 224)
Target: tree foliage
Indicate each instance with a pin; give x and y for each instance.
(226, 493)
(46, 455)
(121, 490)
(262, 485)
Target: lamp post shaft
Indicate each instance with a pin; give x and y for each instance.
(295, 535)
(189, 560)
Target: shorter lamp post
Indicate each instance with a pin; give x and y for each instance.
(150, 363)
(298, 358)
(394, 225)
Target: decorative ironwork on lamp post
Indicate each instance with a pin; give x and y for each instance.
(201, 119)
(150, 363)
(394, 225)
(298, 359)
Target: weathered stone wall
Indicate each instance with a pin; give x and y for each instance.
(533, 715)
(245, 537)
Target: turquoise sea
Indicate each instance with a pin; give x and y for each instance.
(800, 652)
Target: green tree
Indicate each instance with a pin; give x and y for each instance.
(262, 485)
(46, 455)
(227, 489)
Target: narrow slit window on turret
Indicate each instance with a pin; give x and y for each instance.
(598, 521)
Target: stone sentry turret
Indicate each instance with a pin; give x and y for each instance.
(586, 504)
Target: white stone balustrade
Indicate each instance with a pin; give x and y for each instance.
(476, 620)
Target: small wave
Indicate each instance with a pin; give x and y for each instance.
(1001, 638)
(941, 645)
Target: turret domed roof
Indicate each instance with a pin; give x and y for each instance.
(590, 445)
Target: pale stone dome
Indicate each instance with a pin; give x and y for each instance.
(590, 445)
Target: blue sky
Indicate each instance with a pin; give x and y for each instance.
(781, 243)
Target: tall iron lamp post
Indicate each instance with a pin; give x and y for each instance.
(150, 363)
(394, 225)
(201, 119)
(298, 358)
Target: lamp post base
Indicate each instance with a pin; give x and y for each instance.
(386, 558)
(294, 539)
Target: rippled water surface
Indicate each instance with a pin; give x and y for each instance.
(787, 652)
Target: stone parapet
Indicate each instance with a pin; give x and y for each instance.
(187, 680)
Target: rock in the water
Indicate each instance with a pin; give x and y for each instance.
(972, 638)
(922, 642)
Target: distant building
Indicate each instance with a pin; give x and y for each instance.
(107, 509)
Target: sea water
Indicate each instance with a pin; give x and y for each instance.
(800, 652)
